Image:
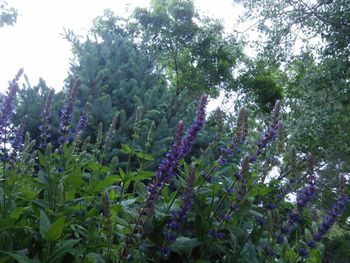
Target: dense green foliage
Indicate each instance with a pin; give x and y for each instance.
(107, 174)
(71, 207)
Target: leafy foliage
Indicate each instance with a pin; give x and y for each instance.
(66, 204)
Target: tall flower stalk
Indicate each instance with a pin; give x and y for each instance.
(7, 111)
(167, 168)
(67, 114)
(45, 120)
(178, 216)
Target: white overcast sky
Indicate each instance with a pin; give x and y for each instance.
(36, 44)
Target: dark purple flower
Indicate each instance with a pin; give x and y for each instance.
(17, 141)
(179, 216)
(331, 217)
(268, 250)
(305, 195)
(261, 220)
(311, 244)
(168, 166)
(67, 114)
(179, 149)
(165, 251)
(83, 121)
(45, 119)
(7, 111)
(303, 252)
(269, 134)
(216, 234)
(192, 132)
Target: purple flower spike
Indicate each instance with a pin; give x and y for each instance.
(306, 194)
(83, 121)
(67, 114)
(331, 217)
(7, 111)
(196, 126)
(179, 216)
(45, 119)
(303, 252)
(16, 143)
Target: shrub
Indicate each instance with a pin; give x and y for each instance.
(68, 205)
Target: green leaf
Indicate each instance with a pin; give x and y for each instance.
(16, 213)
(142, 175)
(144, 156)
(96, 258)
(128, 202)
(315, 256)
(42, 160)
(122, 173)
(96, 167)
(44, 223)
(62, 249)
(108, 181)
(55, 231)
(184, 244)
(126, 148)
(20, 258)
(255, 213)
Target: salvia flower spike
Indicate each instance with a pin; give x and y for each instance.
(167, 168)
(67, 113)
(83, 121)
(45, 119)
(179, 216)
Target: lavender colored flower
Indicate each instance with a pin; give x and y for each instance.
(303, 252)
(7, 111)
(167, 168)
(45, 119)
(305, 195)
(178, 216)
(268, 251)
(67, 113)
(192, 132)
(269, 134)
(17, 141)
(180, 148)
(83, 121)
(331, 217)
(216, 234)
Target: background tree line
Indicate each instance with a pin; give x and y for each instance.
(150, 66)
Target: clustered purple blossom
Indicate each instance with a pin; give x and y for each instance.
(269, 134)
(180, 148)
(67, 114)
(308, 193)
(233, 147)
(83, 121)
(216, 234)
(178, 216)
(304, 196)
(329, 219)
(6, 113)
(17, 140)
(45, 119)
(196, 126)
(167, 168)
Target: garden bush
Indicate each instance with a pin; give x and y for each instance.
(229, 204)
